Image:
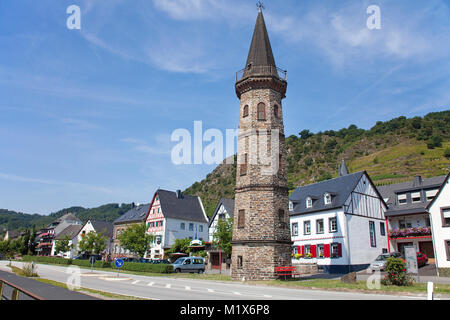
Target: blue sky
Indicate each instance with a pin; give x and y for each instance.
(86, 115)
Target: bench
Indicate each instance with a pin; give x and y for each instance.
(286, 271)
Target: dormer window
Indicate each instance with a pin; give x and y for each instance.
(308, 202)
(327, 198)
(415, 197)
(401, 198)
(291, 206)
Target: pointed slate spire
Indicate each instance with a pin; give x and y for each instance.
(260, 57)
(343, 171)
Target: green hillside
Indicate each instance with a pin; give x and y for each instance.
(11, 220)
(391, 151)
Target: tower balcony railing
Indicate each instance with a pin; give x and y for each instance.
(261, 71)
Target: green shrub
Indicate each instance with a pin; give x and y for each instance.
(396, 273)
(147, 267)
(87, 264)
(447, 153)
(51, 260)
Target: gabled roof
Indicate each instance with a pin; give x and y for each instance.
(136, 214)
(390, 192)
(340, 188)
(104, 227)
(229, 207)
(68, 216)
(184, 207)
(71, 231)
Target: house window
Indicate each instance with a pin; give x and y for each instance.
(447, 247)
(158, 239)
(191, 227)
(244, 165)
(445, 217)
(261, 111)
(245, 112)
(239, 262)
(291, 206)
(307, 249)
(382, 229)
(276, 111)
(430, 194)
(222, 216)
(182, 226)
(401, 198)
(415, 197)
(200, 228)
(295, 250)
(320, 250)
(373, 240)
(295, 229)
(307, 227)
(333, 224)
(308, 202)
(241, 219)
(334, 250)
(327, 198)
(319, 226)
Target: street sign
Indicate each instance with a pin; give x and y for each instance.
(92, 260)
(411, 260)
(118, 263)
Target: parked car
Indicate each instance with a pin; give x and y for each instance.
(86, 256)
(189, 264)
(422, 259)
(380, 262)
(163, 261)
(129, 259)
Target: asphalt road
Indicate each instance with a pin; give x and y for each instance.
(167, 288)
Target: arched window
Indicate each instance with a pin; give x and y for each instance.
(245, 112)
(261, 111)
(276, 111)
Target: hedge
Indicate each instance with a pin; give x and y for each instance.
(128, 266)
(147, 267)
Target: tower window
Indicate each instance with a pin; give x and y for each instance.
(280, 163)
(245, 112)
(243, 170)
(261, 111)
(281, 215)
(239, 262)
(241, 219)
(276, 111)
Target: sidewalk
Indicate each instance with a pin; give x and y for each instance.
(41, 289)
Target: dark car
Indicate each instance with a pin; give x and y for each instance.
(128, 259)
(86, 256)
(161, 261)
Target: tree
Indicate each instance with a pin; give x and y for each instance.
(63, 245)
(223, 235)
(93, 243)
(180, 246)
(136, 239)
(305, 134)
(447, 153)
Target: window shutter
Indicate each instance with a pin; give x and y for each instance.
(241, 218)
(299, 249)
(326, 250)
(303, 250)
(340, 250)
(313, 251)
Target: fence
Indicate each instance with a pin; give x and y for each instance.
(15, 292)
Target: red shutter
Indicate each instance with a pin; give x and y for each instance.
(340, 249)
(313, 251)
(326, 251)
(299, 250)
(303, 250)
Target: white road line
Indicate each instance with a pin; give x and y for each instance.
(267, 296)
(187, 288)
(168, 286)
(210, 290)
(150, 284)
(237, 293)
(137, 281)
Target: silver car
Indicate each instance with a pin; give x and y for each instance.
(381, 260)
(189, 264)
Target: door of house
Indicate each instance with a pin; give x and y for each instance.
(427, 248)
(215, 262)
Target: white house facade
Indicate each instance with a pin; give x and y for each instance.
(171, 216)
(439, 210)
(339, 223)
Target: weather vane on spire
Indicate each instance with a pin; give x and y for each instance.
(260, 6)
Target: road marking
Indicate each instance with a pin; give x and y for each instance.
(210, 290)
(237, 293)
(137, 281)
(187, 288)
(168, 286)
(267, 296)
(150, 284)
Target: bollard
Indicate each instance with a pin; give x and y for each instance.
(430, 290)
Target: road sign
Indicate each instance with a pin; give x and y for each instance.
(411, 260)
(118, 263)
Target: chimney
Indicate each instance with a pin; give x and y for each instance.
(417, 181)
(179, 194)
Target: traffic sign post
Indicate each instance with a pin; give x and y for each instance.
(92, 260)
(118, 263)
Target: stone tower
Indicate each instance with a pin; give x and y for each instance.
(261, 234)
